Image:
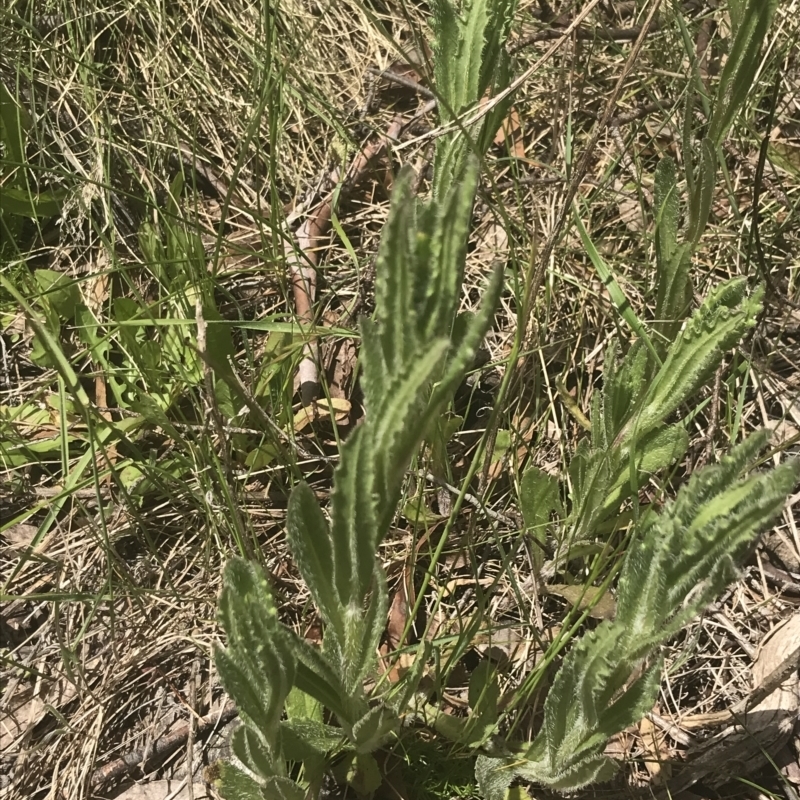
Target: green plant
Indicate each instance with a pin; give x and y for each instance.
(679, 559)
(303, 707)
(411, 361)
(677, 563)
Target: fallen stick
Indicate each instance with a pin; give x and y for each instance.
(163, 748)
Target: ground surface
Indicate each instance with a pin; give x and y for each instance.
(187, 142)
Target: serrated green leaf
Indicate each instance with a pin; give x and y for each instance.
(539, 497)
(667, 208)
(354, 519)
(625, 383)
(374, 624)
(703, 193)
(590, 474)
(673, 260)
(642, 457)
(257, 668)
(395, 277)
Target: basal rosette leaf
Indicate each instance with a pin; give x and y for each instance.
(250, 749)
(395, 282)
(235, 784)
(355, 506)
(257, 669)
(643, 457)
(442, 275)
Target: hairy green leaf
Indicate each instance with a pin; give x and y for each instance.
(673, 260)
(372, 730)
(248, 747)
(702, 194)
(494, 776)
(234, 784)
(715, 327)
(539, 497)
(310, 542)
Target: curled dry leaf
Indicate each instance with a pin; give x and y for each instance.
(26, 707)
(510, 132)
(20, 536)
(780, 708)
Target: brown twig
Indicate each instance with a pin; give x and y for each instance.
(400, 80)
(584, 33)
(162, 748)
(302, 259)
(770, 684)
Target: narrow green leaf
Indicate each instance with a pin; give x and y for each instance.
(394, 274)
(667, 208)
(354, 521)
(618, 298)
(752, 19)
(23, 203)
(703, 194)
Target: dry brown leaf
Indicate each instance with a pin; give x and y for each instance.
(307, 415)
(782, 704)
(164, 790)
(654, 744)
(758, 734)
(20, 536)
(398, 611)
(28, 706)
(510, 132)
(604, 608)
(629, 207)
